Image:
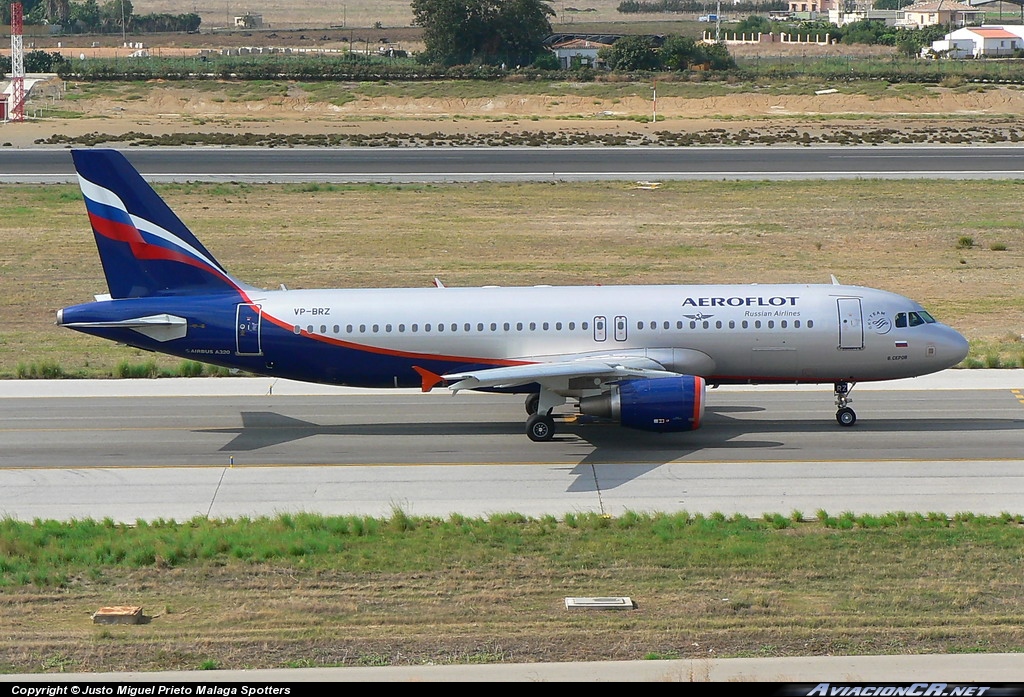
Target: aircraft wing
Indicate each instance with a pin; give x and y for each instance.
(560, 370)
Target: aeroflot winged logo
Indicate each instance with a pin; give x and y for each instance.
(742, 301)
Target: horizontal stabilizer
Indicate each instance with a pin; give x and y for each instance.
(158, 327)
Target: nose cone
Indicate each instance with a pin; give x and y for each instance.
(953, 347)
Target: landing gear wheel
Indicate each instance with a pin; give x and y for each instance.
(540, 428)
(846, 416)
(532, 403)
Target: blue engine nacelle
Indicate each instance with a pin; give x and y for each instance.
(659, 404)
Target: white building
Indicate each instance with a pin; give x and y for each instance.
(980, 42)
(577, 51)
(932, 12)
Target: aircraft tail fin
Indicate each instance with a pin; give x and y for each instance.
(145, 248)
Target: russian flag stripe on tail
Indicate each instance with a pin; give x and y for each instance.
(144, 247)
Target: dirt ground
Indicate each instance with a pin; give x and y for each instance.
(173, 108)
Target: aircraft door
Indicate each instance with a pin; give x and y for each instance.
(620, 328)
(600, 328)
(851, 324)
(248, 320)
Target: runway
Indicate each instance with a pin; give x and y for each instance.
(228, 447)
(462, 164)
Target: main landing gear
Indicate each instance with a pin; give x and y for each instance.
(540, 428)
(845, 415)
(540, 424)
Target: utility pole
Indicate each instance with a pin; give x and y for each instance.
(17, 103)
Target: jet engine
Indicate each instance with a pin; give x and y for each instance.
(658, 404)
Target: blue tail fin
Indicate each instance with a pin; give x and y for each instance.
(145, 249)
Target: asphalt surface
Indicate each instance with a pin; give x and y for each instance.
(533, 164)
(239, 446)
(132, 449)
(799, 672)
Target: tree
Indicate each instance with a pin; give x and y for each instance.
(461, 32)
(632, 53)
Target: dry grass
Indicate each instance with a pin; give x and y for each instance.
(497, 596)
(362, 13)
(902, 236)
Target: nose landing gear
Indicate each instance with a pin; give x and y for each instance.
(844, 414)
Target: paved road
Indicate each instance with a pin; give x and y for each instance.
(254, 447)
(810, 671)
(522, 164)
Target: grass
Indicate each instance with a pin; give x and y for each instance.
(311, 590)
(887, 234)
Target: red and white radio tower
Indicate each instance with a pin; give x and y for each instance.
(17, 103)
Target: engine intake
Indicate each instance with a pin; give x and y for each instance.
(658, 404)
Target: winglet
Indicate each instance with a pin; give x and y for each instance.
(430, 380)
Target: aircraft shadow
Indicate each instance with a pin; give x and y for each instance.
(623, 454)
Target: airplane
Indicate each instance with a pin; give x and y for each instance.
(641, 356)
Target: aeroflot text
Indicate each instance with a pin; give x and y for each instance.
(775, 301)
(917, 689)
(155, 690)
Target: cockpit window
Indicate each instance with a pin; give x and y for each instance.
(913, 319)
